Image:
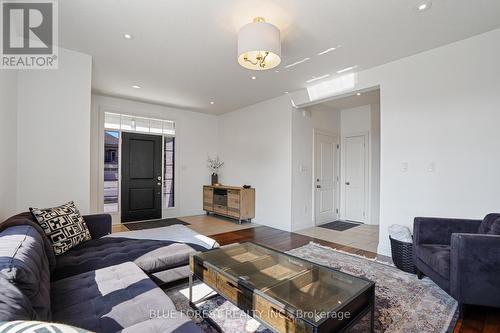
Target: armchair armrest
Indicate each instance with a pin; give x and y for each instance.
(435, 230)
(475, 269)
(99, 224)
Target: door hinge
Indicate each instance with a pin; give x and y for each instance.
(338, 146)
(337, 211)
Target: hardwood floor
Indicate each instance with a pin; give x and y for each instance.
(280, 240)
(476, 320)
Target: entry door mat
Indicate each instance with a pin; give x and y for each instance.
(339, 225)
(153, 224)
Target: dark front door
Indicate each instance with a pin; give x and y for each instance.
(141, 177)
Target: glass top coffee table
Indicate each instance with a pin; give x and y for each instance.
(285, 293)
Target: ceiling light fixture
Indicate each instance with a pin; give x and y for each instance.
(286, 92)
(314, 78)
(424, 6)
(297, 62)
(128, 36)
(328, 50)
(347, 69)
(254, 78)
(212, 102)
(259, 45)
(136, 86)
(358, 94)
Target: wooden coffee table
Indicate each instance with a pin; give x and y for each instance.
(285, 293)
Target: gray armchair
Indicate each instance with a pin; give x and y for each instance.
(461, 256)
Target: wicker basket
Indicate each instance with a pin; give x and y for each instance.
(402, 255)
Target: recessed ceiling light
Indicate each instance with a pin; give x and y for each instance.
(314, 78)
(212, 102)
(277, 71)
(254, 77)
(136, 86)
(358, 94)
(297, 62)
(128, 36)
(329, 50)
(424, 6)
(346, 69)
(286, 92)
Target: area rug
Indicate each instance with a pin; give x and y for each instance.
(404, 304)
(339, 225)
(153, 224)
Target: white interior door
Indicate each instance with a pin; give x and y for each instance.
(354, 186)
(325, 178)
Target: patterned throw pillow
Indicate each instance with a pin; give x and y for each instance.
(64, 225)
(38, 327)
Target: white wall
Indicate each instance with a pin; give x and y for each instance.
(442, 107)
(196, 136)
(53, 164)
(8, 143)
(255, 144)
(303, 125)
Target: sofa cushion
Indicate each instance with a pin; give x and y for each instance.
(490, 225)
(150, 255)
(109, 299)
(437, 257)
(23, 263)
(64, 225)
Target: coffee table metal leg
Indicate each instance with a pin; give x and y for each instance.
(372, 311)
(190, 287)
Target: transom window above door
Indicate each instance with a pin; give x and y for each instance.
(128, 123)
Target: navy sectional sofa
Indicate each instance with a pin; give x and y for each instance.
(103, 285)
(461, 256)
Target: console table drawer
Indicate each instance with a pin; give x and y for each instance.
(277, 318)
(220, 209)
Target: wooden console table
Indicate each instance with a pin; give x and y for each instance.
(230, 201)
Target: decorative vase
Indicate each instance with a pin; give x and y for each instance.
(215, 179)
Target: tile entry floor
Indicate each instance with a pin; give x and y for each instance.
(364, 236)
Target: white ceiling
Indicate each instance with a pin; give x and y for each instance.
(184, 52)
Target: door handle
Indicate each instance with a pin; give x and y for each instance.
(347, 183)
(318, 186)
